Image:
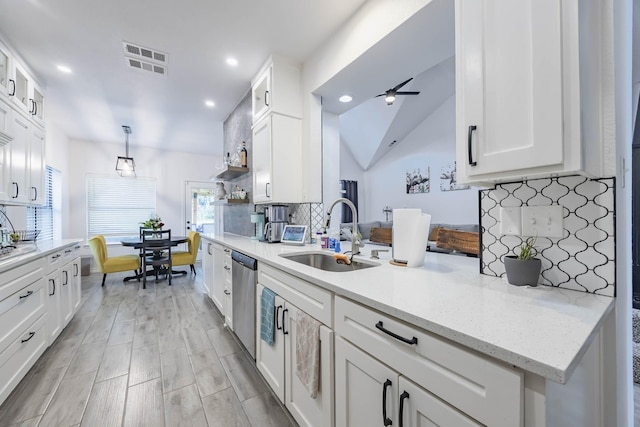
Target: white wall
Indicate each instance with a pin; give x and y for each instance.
(431, 144)
(170, 168)
(57, 156)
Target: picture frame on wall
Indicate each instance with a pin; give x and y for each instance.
(418, 181)
(448, 178)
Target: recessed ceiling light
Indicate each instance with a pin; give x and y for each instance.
(345, 98)
(232, 61)
(209, 103)
(64, 69)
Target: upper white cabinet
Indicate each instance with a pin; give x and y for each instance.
(277, 159)
(4, 70)
(276, 89)
(519, 91)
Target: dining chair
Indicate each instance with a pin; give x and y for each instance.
(156, 253)
(113, 264)
(188, 257)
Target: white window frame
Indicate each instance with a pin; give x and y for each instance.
(48, 218)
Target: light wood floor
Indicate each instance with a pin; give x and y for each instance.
(144, 357)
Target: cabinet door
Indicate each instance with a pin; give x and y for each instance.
(36, 167)
(217, 282)
(261, 95)
(37, 104)
(228, 306)
(509, 85)
(207, 267)
(21, 90)
(262, 161)
(418, 407)
(270, 358)
(5, 84)
(53, 292)
(5, 165)
(66, 294)
(306, 410)
(18, 159)
(366, 390)
(76, 285)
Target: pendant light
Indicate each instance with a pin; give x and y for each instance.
(125, 166)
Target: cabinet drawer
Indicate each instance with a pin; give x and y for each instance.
(13, 280)
(19, 310)
(311, 299)
(20, 355)
(487, 390)
(55, 260)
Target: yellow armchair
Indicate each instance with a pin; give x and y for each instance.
(111, 264)
(188, 257)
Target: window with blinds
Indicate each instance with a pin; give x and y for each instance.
(48, 218)
(116, 206)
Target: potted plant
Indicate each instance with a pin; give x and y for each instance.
(523, 269)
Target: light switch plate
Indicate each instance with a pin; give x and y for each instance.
(542, 221)
(510, 221)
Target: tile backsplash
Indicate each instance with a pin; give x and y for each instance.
(584, 258)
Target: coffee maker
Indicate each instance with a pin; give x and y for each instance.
(276, 217)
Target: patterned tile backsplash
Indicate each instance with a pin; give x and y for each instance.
(584, 258)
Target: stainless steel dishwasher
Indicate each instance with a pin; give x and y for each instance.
(243, 293)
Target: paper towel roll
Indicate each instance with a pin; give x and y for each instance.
(410, 235)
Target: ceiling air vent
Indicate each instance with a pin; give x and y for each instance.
(142, 58)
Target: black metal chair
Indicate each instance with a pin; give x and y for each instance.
(156, 253)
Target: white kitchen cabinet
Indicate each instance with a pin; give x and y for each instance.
(66, 293)
(5, 130)
(21, 82)
(466, 383)
(76, 283)
(277, 363)
(22, 322)
(277, 160)
(54, 310)
(207, 267)
(5, 66)
(276, 89)
(36, 167)
(520, 96)
(227, 302)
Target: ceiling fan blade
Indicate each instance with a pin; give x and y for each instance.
(402, 84)
(382, 94)
(407, 93)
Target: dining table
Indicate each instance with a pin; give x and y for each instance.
(136, 243)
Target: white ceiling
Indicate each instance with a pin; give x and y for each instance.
(103, 93)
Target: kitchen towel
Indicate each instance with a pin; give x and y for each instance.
(308, 352)
(267, 303)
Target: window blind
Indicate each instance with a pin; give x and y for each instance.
(48, 218)
(116, 206)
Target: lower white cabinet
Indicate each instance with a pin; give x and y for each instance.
(23, 335)
(461, 381)
(63, 291)
(54, 312)
(369, 393)
(227, 305)
(207, 267)
(277, 363)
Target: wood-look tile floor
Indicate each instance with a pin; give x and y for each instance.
(144, 357)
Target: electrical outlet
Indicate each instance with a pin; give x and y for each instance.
(542, 221)
(510, 221)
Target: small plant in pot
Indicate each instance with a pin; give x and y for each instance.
(523, 269)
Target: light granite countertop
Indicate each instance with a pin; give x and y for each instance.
(542, 330)
(34, 251)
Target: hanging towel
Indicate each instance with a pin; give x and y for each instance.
(267, 303)
(308, 352)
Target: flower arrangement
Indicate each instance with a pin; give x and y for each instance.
(154, 223)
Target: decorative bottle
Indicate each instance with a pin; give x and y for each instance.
(243, 155)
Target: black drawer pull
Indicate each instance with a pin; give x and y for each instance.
(31, 334)
(28, 294)
(53, 282)
(403, 396)
(284, 331)
(386, 421)
(276, 317)
(469, 145)
(411, 341)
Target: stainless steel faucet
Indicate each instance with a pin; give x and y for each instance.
(356, 243)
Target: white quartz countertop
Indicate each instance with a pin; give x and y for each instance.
(34, 251)
(543, 330)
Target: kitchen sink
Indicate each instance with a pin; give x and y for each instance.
(326, 262)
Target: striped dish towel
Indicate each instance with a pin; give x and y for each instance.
(308, 352)
(267, 304)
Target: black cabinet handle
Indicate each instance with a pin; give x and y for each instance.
(385, 420)
(66, 278)
(411, 341)
(13, 91)
(284, 331)
(68, 251)
(75, 270)
(31, 334)
(33, 107)
(226, 292)
(266, 94)
(266, 189)
(56, 256)
(209, 248)
(35, 194)
(278, 308)
(403, 396)
(469, 145)
(17, 190)
(53, 282)
(28, 294)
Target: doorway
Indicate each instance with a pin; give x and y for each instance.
(199, 208)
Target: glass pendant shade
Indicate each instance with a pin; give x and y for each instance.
(125, 166)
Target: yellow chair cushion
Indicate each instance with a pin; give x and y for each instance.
(187, 258)
(114, 264)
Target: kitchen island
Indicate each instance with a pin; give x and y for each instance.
(543, 331)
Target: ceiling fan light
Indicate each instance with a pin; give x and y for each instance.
(390, 98)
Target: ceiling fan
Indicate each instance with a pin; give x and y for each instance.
(390, 95)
